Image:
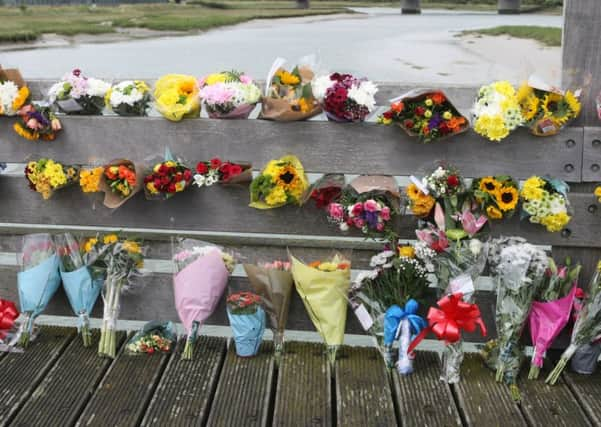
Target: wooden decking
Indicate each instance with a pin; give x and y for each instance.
(57, 382)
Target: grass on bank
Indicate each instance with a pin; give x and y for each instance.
(549, 36)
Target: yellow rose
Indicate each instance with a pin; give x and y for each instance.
(428, 114)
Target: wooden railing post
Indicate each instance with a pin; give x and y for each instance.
(410, 7)
(509, 6)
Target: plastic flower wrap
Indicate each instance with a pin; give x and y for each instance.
(154, 337)
(82, 278)
(37, 122)
(369, 204)
(326, 190)
(426, 114)
(176, 97)
(497, 196)
(78, 94)
(545, 108)
(229, 95)
(288, 94)
(545, 202)
(273, 283)
(129, 98)
(217, 171)
(8, 326)
(587, 328)
(201, 274)
(323, 286)
(37, 281)
(281, 182)
(12, 97)
(551, 310)
(46, 176)
(497, 111)
(518, 269)
(385, 301)
(247, 319)
(167, 178)
(345, 98)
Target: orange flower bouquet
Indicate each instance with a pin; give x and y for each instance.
(118, 180)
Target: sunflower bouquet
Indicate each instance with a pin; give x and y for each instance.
(176, 97)
(545, 202)
(13, 94)
(78, 94)
(419, 202)
(497, 111)
(546, 109)
(426, 114)
(498, 196)
(37, 122)
(129, 98)
(288, 94)
(282, 181)
(46, 176)
(229, 95)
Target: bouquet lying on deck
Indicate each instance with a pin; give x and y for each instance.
(176, 97)
(229, 95)
(201, 274)
(217, 171)
(129, 98)
(46, 176)
(78, 94)
(167, 178)
(281, 182)
(154, 337)
(37, 122)
(119, 180)
(345, 98)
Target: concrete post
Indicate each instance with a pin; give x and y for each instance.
(509, 7)
(410, 7)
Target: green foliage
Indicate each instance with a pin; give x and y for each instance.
(549, 36)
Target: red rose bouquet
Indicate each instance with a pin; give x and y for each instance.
(217, 171)
(326, 190)
(344, 97)
(166, 179)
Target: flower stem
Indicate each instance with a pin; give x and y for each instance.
(553, 377)
(188, 353)
(534, 372)
(500, 372)
(515, 393)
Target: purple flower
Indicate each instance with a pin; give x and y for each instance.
(435, 121)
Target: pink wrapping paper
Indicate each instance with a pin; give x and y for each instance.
(547, 320)
(199, 287)
(240, 112)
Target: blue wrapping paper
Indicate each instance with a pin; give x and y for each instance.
(248, 331)
(37, 285)
(81, 290)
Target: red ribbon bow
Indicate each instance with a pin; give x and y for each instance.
(453, 316)
(8, 315)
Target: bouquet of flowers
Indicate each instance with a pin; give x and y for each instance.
(38, 280)
(37, 122)
(176, 97)
(12, 96)
(551, 310)
(154, 337)
(247, 319)
(229, 95)
(288, 94)
(518, 269)
(326, 190)
(419, 202)
(129, 98)
(547, 109)
(498, 196)
(77, 94)
(46, 176)
(345, 98)
(273, 283)
(497, 111)
(587, 328)
(8, 316)
(426, 114)
(218, 171)
(323, 286)
(201, 274)
(385, 300)
(82, 282)
(121, 260)
(546, 202)
(167, 178)
(368, 204)
(118, 180)
(281, 182)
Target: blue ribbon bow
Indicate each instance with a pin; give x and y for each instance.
(395, 314)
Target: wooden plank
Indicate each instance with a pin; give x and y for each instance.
(303, 395)
(245, 388)
(587, 389)
(124, 393)
(581, 58)
(22, 372)
(322, 146)
(483, 401)
(544, 405)
(363, 394)
(591, 166)
(185, 392)
(67, 388)
(422, 400)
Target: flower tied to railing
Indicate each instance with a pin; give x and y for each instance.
(453, 316)
(8, 315)
(403, 323)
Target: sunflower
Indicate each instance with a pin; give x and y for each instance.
(598, 193)
(489, 185)
(507, 198)
(493, 213)
(413, 192)
(529, 107)
(572, 103)
(556, 106)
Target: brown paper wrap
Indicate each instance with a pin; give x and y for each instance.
(13, 75)
(113, 200)
(245, 177)
(380, 184)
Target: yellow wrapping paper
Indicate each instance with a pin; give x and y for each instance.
(167, 92)
(324, 294)
(259, 203)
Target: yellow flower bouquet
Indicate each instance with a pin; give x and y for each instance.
(46, 176)
(281, 182)
(545, 202)
(176, 97)
(497, 196)
(496, 111)
(13, 92)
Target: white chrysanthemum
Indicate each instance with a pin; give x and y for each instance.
(320, 85)
(557, 204)
(125, 93)
(362, 94)
(97, 87)
(54, 91)
(8, 93)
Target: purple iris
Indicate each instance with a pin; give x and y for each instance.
(371, 218)
(435, 121)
